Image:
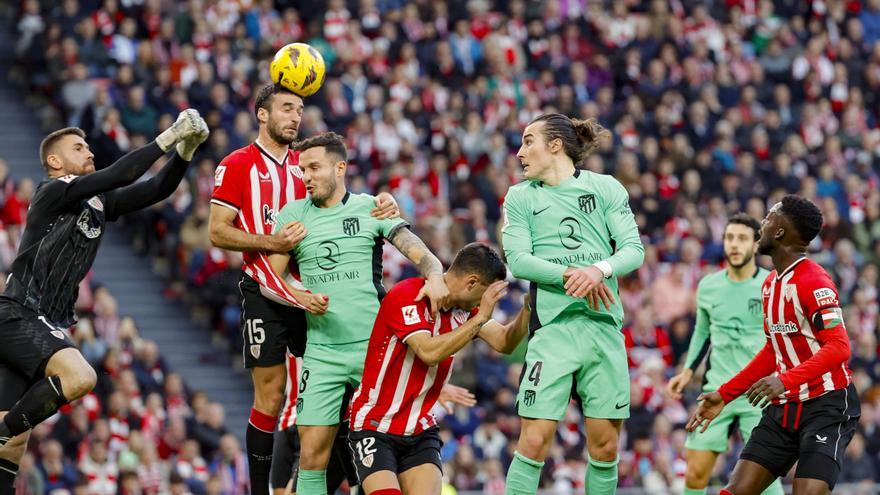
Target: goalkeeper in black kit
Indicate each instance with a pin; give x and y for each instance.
(43, 370)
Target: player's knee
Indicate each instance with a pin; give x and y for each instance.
(313, 456)
(269, 401)
(533, 444)
(78, 381)
(604, 448)
(696, 476)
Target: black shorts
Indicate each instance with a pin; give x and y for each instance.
(818, 440)
(374, 451)
(285, 460)
(268, 329)
(28, 340)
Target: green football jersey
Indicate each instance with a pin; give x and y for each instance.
(729, 326)
(584, 220)
(341, 257)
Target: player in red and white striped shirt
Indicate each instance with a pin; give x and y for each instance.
(801, 371)
(251, 185)
(394, 437)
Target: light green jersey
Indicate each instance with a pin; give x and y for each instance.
(584, 220)
(341, 257)
(729, 326)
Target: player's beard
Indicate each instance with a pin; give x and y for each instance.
(276, 132)
(746, 259)
(765, 247)
(321, 199)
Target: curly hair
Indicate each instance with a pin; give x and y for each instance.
(804, 215)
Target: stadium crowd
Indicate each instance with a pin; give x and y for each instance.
(716, 107)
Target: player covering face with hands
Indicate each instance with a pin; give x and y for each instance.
(800, 376)
(394, 437)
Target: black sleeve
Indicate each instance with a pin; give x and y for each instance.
(701, 356)
(123, 172)
(143, 194)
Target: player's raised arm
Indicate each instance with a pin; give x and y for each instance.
(142, 194)
(428, 265)
(506, 338)
(124, 171)
(434, 349)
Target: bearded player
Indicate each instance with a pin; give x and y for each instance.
(251, 185)
(801, 371)
(729, 331)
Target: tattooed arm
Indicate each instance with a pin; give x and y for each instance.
(429, 266)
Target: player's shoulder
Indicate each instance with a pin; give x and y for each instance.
(361, 200)
(241, 157)
(605, 181)
(518, 193)
(406, 290)
(712, 279)
(814, 281)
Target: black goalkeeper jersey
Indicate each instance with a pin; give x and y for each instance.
(57, 250)
(65, 224)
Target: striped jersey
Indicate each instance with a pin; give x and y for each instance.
(398, 390)
(256, 186)
(799, 302)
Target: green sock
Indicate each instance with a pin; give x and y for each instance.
(602, 477)
(694, 491)
(523, 476)
(775, 488)
(311, 482)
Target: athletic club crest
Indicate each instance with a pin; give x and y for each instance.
(368, 460)
(255, 351)
(587, 203)
(351, 226)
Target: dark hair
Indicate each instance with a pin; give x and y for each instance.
(743, 219)
(52, 139)
(265, 94)
(481, 260)
(579, 137)
(330, 141)
(804, 215)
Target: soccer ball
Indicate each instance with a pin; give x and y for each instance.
(299, 68)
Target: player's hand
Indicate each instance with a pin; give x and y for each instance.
(527, 305)
(493, 294)
(187, 146)
(186, 126)
(450, 394)
(386, 207)
(678, 383)
(764, 390)
(710, 406)
(588, 282)
(287, 237)
(315, 304)
(436, 291)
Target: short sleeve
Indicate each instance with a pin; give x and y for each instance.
(227, 186)
(408, 317)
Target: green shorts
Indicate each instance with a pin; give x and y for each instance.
(326, 371)
(575, 357)
(716, 437)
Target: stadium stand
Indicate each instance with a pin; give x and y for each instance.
(716, 107)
